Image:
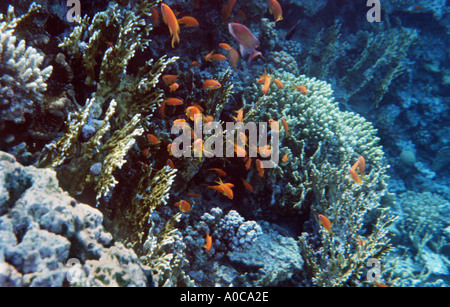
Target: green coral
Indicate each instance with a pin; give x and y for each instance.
(115, 35)
(383, 57)
(323, 143)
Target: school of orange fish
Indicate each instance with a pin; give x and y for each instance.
(247, 46)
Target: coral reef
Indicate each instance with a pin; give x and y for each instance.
(23, 80)
(42, 229)
(115, 205)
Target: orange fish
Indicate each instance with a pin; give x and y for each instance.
(248, 164)
(275, 9)
(171, 21)
(152, 139)
(173, 101)
(239, 116)
(224, 188)
(193, 195)
(218, 171)
(227, 8)
(285, 125)
(195, 64)
(225, 46)
(266, 85)
(192, 111)
(188, 21)
(208, 243)
(259, 168)
(211, 84)
(145, 152)
(325, 222)
(234, 57)
(169, 79)
(173, 87)
(155, 16)
(217, 57)
(262, 78)
(265, 151)
(247, 185)
(162, 108)
(278, 83)
(240, 152)
(183, 205)
(169, 163)
(207, 119)
(275, 127)
(361, 165)
(301, 88)
(208, 56)
(355, 176)
(285, 157)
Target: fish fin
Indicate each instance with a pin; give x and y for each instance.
(253, 55)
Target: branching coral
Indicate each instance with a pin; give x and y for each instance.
(23, 81)
(323, 142)
(378, 63)
(106, 44)
(110, 154)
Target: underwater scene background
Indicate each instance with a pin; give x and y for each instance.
(355, 98)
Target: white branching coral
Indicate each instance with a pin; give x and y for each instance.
(22, 81)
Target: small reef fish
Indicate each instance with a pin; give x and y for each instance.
(361, 165)
(278, 83)
(285, 158)
(173, 101)
(227, 8)
(275, 9)
(171, 21)
(183, 205)
(259, 168)
(292, 30)
(188, 21)
(247, 41)
(223, 187)
(195, 64)
(218, 171)
(216, 57)
(145, 152)
(301, 88)
(325, 222)
(266, 85)
(193, 195)
(234, 57)
(192, 111)
(285, 125)
(225, 46)
(169, 79)
(208, 242)
(240, 152)
(247, 185)
(153, 140)
(170, 164)
(355, 176)
(248, 164)
(263, 77)
(265, 151)
(173, 87)
(239, 116)
(211, 84)
(155, 16)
